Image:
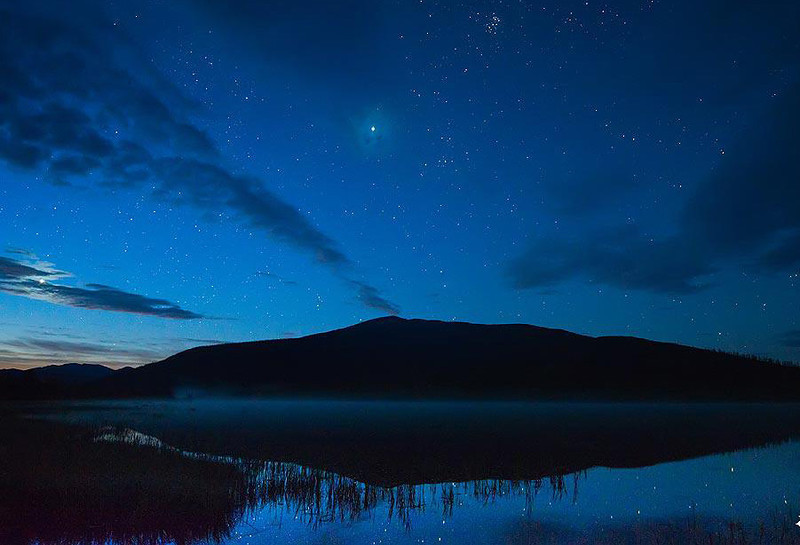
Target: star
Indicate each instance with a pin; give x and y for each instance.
(372, 128)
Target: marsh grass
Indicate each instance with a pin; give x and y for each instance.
(60, 487)
(318, 496)
(66, 485)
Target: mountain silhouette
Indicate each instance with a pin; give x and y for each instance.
(422, 359)
(71, 373)
(50, 381)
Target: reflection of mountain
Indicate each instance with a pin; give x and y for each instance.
(68, 485)
(399, 443)
(393, 357)
(318, 496)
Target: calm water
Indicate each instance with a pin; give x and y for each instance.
(674, 500)
(332, 472)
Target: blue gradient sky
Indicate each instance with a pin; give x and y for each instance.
(178, 173)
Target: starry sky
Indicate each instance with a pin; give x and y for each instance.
(183, 172)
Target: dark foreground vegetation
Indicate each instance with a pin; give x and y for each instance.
(61, 487)
(419, 359)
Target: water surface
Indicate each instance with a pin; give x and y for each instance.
(238, 471)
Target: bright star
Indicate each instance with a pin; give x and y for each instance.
(372, 128)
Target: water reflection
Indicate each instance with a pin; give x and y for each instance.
(69, 484)
(64, 485)
(316, 496)
(389, 444)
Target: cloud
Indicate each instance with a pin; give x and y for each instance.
(207, 185)
(269, 275)
(750, 203)
(47, 346)
(202, 341)
(99, 297)
(276, 33)
(623, 257)
(791, 339)
(34, 352)
(746, 213)
(34, 282)
(590, 192)
(71, 106)
(20, 251)
(12, 270)
(60, 348)
(370, 297)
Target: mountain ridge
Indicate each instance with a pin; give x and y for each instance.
(49, 381)
(423, 359)
(398, 358)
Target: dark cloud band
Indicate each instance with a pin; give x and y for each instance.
(791, 339)
(17, 278)
(64, 101)
(746, 212)
(371, 297)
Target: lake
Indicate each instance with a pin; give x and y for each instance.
(257, 472)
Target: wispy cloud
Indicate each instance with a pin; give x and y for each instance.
(744, 213)
(35, 280)
(69, 109)
(34, 352)
(202, 341)
(13, 270)
(791, 339)
(269, 275)
(623, 257)
(48, 346)
(371, 297)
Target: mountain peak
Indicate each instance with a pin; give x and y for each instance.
(397, 357)
(389, 319)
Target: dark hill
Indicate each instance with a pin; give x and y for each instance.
(398, 358)
(71, 373)
(51, 381)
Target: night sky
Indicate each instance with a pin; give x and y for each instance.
(175, 173)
